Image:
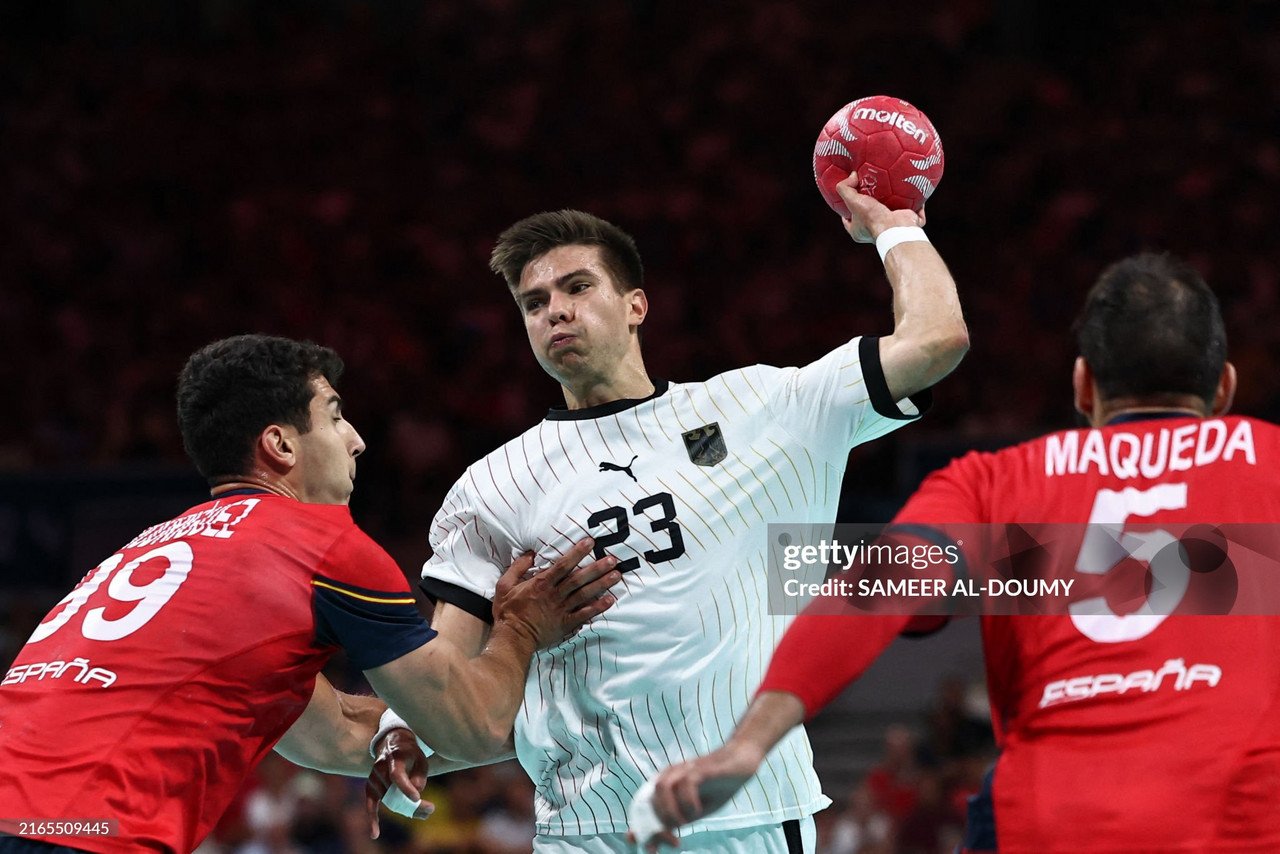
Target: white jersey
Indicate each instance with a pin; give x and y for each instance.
(680, 487)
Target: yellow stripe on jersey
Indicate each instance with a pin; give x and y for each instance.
(361, 596)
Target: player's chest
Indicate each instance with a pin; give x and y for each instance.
(648, 492)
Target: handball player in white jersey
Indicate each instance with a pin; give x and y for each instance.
(677, 482)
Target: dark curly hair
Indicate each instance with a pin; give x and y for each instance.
(233, 389)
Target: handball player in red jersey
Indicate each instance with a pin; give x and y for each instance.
(1187, 756)
(141, 702)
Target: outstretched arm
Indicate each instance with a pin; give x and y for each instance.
(825, 649)
(690, 790)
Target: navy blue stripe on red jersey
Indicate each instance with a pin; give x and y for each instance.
(1153, 415)
(924, 626)
(878, 387)
(22, 845)
(244, 490)
(373, 626)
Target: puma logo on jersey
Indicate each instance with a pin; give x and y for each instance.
(626, 468)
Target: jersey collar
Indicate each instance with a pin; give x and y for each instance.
(1153, 415)
(564, 413)
(247, 490)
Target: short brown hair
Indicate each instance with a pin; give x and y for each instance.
(537, 235)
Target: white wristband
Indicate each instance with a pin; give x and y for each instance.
(891, 237)
(389, 721)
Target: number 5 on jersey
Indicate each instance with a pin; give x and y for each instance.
(1106, 544)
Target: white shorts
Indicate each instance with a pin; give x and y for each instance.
(790, 837)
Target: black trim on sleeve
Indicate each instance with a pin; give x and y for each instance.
(878, 388)
(471, 602)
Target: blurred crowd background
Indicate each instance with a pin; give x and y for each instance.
(338, 170)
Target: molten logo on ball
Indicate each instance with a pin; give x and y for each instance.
(892, 146)
(896, 120)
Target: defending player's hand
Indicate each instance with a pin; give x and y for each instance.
(401, 766)
(868, 217)
(690, 790)
(553, 603)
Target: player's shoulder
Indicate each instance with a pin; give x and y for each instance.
(343, 550)
(327, 529)
(747, 387)
(255, 514)
(1265, 430)
(987, 470)
(845, 355)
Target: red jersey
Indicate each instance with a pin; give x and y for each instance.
(154, 687)
(1128, 732)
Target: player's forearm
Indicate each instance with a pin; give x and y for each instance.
(824, 650)
(771, 715)
(464, 708)
(333, 733)
(929, 337)
(497, 677)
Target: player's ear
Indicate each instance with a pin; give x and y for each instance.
(1226, 390)
(637, 306)
(1082, 385)
(278, 447)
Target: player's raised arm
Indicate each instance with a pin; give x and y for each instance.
(465, 707)
(929, 334)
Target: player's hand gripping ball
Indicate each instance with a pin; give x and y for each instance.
(892, 146)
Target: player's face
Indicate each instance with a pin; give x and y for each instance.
(579, 323)
(326, 461)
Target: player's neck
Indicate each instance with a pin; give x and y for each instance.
(630, 382)
(1107, 411)
(254, 480)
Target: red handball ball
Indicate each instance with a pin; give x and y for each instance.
(894, 148)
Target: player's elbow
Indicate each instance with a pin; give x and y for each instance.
(944, 347)
(487, 741)
(496, 739)
(954, 344)
(926, 355)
